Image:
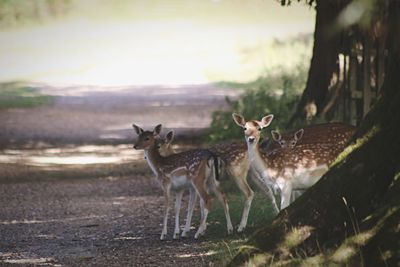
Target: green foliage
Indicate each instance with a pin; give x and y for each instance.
(276, 95)
(15, 95)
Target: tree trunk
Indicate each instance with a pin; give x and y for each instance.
(351, 216)
(324, 60)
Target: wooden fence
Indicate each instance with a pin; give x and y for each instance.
(361, 70)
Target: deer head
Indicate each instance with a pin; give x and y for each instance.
(288, 141)
(252, 129)
(164, 144)
(146, 139)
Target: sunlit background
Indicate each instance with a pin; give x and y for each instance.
(107, 64)
(100, 42)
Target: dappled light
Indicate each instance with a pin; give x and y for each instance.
(79, 155)
(27, 221)
(34, 261)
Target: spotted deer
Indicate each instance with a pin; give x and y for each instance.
(164, 146)
(234, 155)
(287, 141)
(303, 165)
(190, 169)
(235, 163)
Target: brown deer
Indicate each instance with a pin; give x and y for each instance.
(234, 155)
(303, 165)
(236, 165)
(287, 141)
(196, 168)
(164, 146)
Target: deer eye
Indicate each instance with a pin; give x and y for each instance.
(147, 139)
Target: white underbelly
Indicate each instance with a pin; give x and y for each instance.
(180, 182)
(304, 178)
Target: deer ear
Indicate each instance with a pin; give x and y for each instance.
(138, 130)
(299, 134)
(170, 136)
(276, 135)
(265, 121)
(157, 130)
(238, 119)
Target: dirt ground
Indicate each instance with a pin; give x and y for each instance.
(94, 218)
(96, 222)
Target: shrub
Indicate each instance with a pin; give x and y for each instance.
(276, 95)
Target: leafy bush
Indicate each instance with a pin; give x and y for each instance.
(18, 95)
(276, 95)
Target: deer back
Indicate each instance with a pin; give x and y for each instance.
(189, 160)
(327, 133)
(231, 152)
(318, 147)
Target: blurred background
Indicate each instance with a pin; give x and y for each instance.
(98, 42)
(81, 72)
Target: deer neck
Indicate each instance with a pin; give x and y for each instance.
(153, 159)
(255, 158)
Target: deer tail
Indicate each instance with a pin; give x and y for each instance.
(216, 164)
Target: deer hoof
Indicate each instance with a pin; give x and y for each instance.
(230, 230)
(184, 234)
(176, 236)
(240, 229)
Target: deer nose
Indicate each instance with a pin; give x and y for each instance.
(134, 146)
(251, 139)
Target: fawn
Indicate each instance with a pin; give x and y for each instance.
(196, 168)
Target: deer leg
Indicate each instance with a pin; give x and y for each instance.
(167, 194)
(286, 192)
(203, 221)
(222, 198)
(199, 183)
(295, 195)
(192, 202)
(178, 201)
(241, 182)
(266, 188)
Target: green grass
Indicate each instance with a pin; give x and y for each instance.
(17, 95)
(222, 246)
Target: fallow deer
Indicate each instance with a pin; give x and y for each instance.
(234, 155)
(287, 141)
(195, 168)
(297, 168)
(236, 164)
(164, 146)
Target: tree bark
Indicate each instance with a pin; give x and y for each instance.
(323, 62)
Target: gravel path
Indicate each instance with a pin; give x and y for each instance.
(96, 222)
